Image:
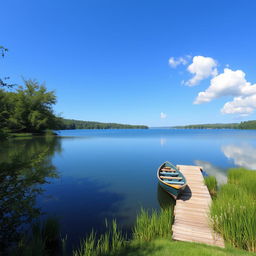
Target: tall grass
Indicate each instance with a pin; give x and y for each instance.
(148, 226)
(211, 183)
(234, 210)
(107, 243)
(153, 225)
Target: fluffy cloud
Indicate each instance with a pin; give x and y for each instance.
(176, 62)
(202, 68)
(163, 115)
(228, 83)
(231, 83)
(240, 105)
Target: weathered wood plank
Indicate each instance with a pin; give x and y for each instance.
(191, 213)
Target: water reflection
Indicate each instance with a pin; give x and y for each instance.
(165, 200)
(82, 204)
(163, 141)
(243, 155)
(24, 166)
(212, 170)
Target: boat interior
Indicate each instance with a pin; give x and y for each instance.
(171, 176)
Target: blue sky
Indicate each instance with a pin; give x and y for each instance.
(108, 60)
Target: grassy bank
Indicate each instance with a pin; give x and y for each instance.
(151, 237)
(233, 211)
(166, 247)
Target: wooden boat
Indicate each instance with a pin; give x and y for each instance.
(171, 179)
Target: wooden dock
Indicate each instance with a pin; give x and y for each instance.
(191, 213)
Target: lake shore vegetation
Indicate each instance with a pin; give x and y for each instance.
(212, 185)
(151, 236)
(246, 125)
(234, 209)
(70, 124)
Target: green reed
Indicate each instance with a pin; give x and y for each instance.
(211, 183)
(234, 210)
(153, 225)
(109, 242)
(148, 226)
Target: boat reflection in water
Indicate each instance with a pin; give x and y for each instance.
(165, 200)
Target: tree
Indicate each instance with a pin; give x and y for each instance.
(33, 108)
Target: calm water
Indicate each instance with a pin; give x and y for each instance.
(112, 173)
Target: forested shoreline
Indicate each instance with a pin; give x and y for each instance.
(246, 125)
(69, 124)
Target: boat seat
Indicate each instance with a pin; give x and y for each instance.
(175, 182)
(168, 170)
(171, 178)
(169, 174)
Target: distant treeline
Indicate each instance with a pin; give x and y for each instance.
(68, 124)
(249, 125)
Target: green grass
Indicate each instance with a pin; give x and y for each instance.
(148, 226)
(108, 243)
(234, 210)
(152, 225)
(166, 247)
(211, 183)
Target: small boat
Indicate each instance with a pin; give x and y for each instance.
(171, 179)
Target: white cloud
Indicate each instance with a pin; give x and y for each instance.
(202, 68)
(178, 61)
(244, 155)
(163, 115)
(240, 105)
(231, 83)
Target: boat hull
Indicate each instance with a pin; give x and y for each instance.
(171, 190)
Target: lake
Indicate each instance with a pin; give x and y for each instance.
(106, 174)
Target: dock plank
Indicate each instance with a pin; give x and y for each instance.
(191, 213)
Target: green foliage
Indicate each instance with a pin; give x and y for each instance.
(234, 210)
(166, 247)
(109, 243)
(153, 225)
(210, 126)
(148, 227)
(211, 183)
(248, 125)
(68, 124)
(243, 125)
(28, 109)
